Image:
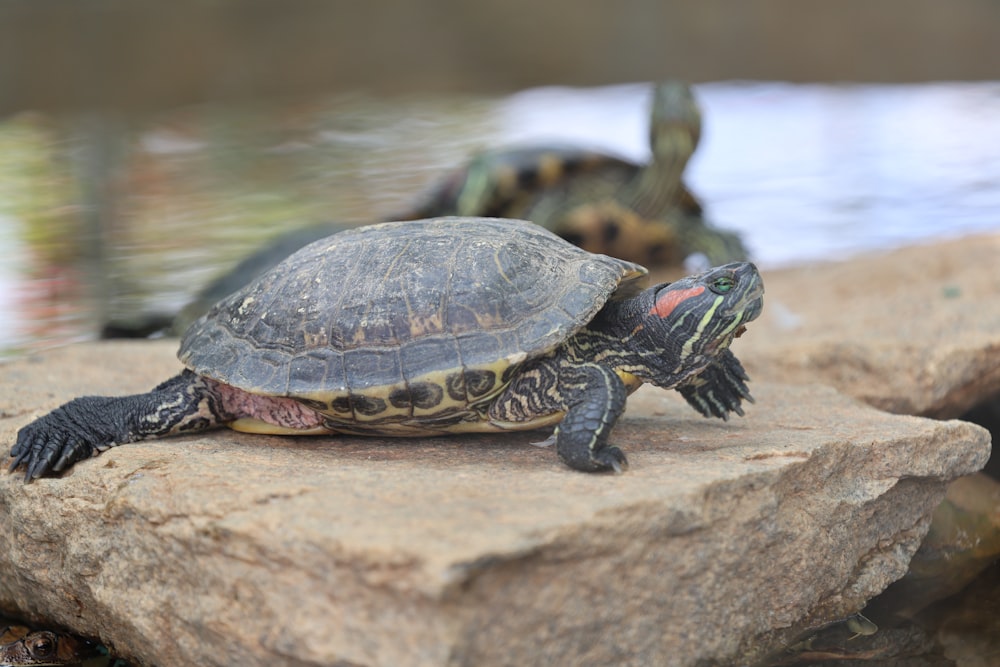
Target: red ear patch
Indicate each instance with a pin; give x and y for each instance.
(666, 303)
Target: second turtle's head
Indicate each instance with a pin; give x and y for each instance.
(692, 320)
(675, 121)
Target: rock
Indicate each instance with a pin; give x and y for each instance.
(963, 540)
(721, 542)
(914, 331)
(858, 642)
(987, 415)
(967, 625)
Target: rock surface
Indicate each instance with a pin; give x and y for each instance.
(963, 540)
(722, 541)
(915, 331)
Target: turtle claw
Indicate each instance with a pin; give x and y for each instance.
(613, 459)
(35, 452)
(72, 451)
(37, 468)
(55, 456)
(16, 462)
(547, 442)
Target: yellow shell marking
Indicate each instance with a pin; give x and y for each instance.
(251, 425)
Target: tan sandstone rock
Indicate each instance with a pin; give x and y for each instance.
(722, 541)
(914, 331)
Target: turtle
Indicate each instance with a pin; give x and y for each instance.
(424, 328)
(598, 201)
(21, 646)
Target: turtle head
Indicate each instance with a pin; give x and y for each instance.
(675, 121)
(689, 322)
(42, 647)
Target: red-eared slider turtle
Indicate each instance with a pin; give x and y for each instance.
(600, 202)
(432, 327)
(24, 647)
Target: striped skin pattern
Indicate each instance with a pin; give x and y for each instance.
(431, 327)
(673, 335)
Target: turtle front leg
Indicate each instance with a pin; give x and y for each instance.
(719, 389)
(91, 424)
(593, 398)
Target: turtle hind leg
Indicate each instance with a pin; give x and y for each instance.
(91, 424)
(592, 397)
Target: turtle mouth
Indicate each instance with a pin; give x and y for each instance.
(750, 306)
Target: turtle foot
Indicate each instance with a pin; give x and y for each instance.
(605, 459)
(58, 440)
(611, 458)
(719, 389)
(44, 452)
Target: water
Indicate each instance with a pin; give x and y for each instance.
(805, 172)
(812, 171)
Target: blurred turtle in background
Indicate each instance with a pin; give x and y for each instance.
(605, 204)
(602, 203)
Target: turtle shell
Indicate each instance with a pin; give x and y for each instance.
(405, 320)
(518, 181)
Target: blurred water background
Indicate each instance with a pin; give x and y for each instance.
(804, 172)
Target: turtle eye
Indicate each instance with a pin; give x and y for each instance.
(723, 284)
(42, 646)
